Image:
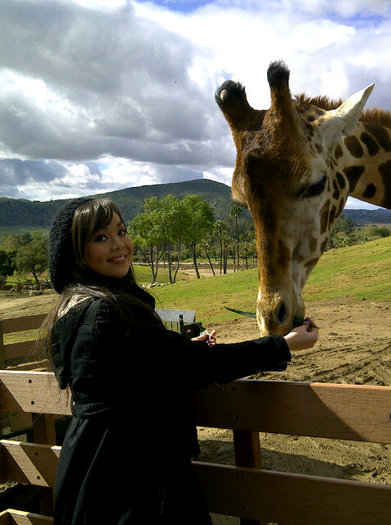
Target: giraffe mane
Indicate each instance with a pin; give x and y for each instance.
(377, 116)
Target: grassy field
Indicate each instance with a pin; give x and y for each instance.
(357, 272)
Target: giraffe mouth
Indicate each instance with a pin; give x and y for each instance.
(297, 320)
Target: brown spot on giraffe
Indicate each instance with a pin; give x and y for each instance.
(354, 146)
(370, 191)
(324, 217)
(332, 216)
(310, 129)
(381, 135)
(341, 180)
(336, 192)
(353, 174)
(385, 172)
(338, 151)
(340, 207)
(370, 143)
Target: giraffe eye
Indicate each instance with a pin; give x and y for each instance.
(314, 189)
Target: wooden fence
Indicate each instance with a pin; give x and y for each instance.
(19, 352)
(22, 350)
(247, 407)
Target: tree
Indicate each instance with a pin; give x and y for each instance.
(33, 257)
(207, 244)
(147, 238)
(342, 233)
(200, 220)
(235, 212)
(220, 232)
(7, 264)
(248, 245)
(173, 222)
(11, 241)
(380, 231)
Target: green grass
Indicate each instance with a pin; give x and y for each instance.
(356, 272)
(144, 275)
(209, 295)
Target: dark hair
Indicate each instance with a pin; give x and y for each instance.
(89, 217)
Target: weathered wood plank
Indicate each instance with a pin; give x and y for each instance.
(352, 412)
(247, 454)
(19, 324)
(5, 518)
(29, 463)
(243, 492)
(20, 349)
(33, 392)
(19, 517)
(292, 498)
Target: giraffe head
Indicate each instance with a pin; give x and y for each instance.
(286, 174)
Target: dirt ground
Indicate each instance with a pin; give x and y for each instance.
(354, 347)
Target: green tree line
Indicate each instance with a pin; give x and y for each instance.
(171, 230)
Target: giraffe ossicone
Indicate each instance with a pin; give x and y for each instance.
(296, 164)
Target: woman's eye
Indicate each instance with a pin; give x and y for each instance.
(123, 232)
(315, 189)
(100, 238)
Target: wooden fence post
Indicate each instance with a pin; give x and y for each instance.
(2, 348)
(247, 454)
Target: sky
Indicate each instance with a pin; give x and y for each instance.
(101, 95)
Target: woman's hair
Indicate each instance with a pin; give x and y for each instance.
(91, 216)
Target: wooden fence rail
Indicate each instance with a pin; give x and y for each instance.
(20, 351)
(247, 407)
(23, 349)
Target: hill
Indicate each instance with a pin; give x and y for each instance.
(25, 213)
(362, 216)
(28, 214)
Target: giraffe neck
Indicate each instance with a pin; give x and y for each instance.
(365, 159)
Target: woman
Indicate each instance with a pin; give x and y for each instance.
(126, 457)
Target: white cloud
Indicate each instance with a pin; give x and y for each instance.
(121, 93)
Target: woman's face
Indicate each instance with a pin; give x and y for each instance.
(110, 250)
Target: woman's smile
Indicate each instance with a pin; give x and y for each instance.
(119, 260)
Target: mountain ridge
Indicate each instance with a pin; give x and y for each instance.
(25, 213)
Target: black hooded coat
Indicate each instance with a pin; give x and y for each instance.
(126, 456)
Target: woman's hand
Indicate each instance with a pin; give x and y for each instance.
(209, 338)
(304, 336)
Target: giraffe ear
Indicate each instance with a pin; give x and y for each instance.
(344, 119)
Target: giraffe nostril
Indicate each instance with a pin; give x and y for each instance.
(281, 314)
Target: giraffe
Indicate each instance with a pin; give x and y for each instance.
(296, 164)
